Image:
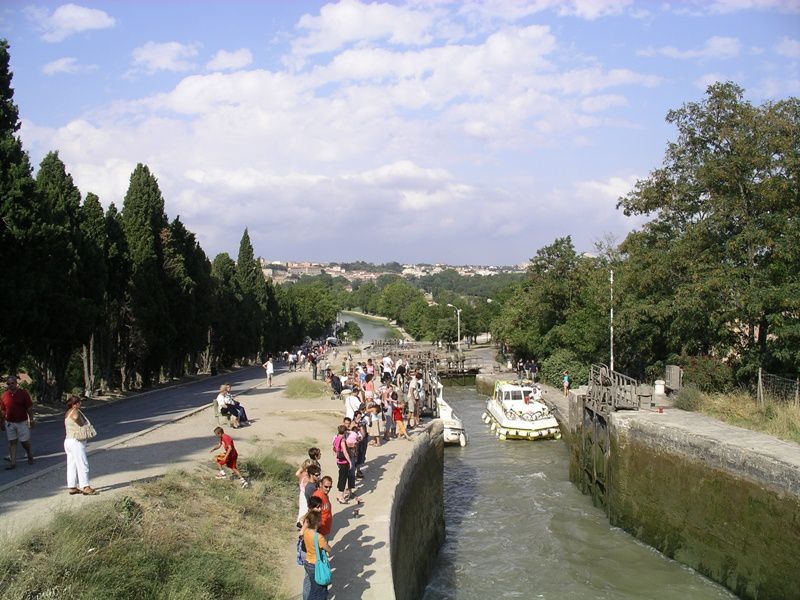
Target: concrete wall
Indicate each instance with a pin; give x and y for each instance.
(721, 499)
(417, 515)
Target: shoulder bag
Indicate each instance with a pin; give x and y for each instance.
(87, 430)
(322, 571)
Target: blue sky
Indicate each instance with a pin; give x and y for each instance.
(436, 131)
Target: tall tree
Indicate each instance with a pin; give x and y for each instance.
(66, 313)
(144, 221)
(251, 290)
(21, 249)
(93, 273)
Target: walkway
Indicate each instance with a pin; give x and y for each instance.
(361, 566)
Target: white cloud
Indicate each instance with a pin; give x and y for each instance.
(68, 65)
(69, 19)
(593, 9)
(514, 10)
(224, 60)
(708, 79)
(788, 47)
(168, 56)
(603, 191)
(349, 21)
(731, 6)
(716, 48)
(405, 122)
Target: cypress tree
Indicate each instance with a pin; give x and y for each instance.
(64, 315)
(93, 279)
(144, 222)
(20, 251)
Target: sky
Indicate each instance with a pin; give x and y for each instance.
(471, 132)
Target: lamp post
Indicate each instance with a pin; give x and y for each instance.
(458, 325)
(611, 320)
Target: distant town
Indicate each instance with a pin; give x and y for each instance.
(289, 271)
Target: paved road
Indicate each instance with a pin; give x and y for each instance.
(121, 419)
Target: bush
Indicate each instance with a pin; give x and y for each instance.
(690, 398)
(708, 373)
(552, 369)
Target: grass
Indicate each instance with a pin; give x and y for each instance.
(779, 420)
(300, 387)
(183, 536)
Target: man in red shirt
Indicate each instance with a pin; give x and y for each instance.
(325, 485)
(16, 417)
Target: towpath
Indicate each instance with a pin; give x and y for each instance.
(174, 429)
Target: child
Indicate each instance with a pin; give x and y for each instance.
(398, 418)
(228, 456)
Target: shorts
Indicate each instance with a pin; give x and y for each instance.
(230, 463)
(18, 431)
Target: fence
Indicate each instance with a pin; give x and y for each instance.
(777, 389)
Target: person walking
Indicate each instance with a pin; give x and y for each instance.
(75, 449)
(269, 367)
(16, 418)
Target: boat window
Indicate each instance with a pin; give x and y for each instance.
(516, 395)
(506, 396)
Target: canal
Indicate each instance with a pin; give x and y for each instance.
(517, 528)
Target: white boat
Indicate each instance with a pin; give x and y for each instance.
(513, 414)
(454, 432)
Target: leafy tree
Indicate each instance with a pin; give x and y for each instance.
(723, 236)
(351, 331)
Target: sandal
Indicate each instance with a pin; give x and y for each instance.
(88, 491)
(343, 501)
(73, 491)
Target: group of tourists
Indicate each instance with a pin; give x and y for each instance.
(528, 369)
(378, 407)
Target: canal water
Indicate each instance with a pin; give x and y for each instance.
(517, 528)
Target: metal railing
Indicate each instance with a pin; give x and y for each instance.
(610, 391)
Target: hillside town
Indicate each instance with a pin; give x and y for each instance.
(289, 271)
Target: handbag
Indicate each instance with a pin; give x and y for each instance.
(300, 551)
(85, 431)
(322, 571)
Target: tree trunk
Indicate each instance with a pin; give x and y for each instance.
(87, 354)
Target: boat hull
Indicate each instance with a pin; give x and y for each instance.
(530, 425)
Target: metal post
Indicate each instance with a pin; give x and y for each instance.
(612, 321)
(458, 326)
(760, 389)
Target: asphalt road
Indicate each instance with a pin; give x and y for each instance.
(124, 418)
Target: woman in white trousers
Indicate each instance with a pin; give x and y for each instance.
(75, 448)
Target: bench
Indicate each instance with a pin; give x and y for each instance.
(221, 419)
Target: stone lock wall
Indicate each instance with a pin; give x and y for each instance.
(723, 500)
(417, 517)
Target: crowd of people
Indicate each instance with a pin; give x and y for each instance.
(381, 403)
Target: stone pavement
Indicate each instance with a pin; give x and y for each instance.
(288, 427)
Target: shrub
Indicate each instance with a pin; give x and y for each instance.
(552, 368)
(690, 398)
(708, 373)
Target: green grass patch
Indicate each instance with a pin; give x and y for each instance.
(742, 410)
(184, 536)
(300, 387)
